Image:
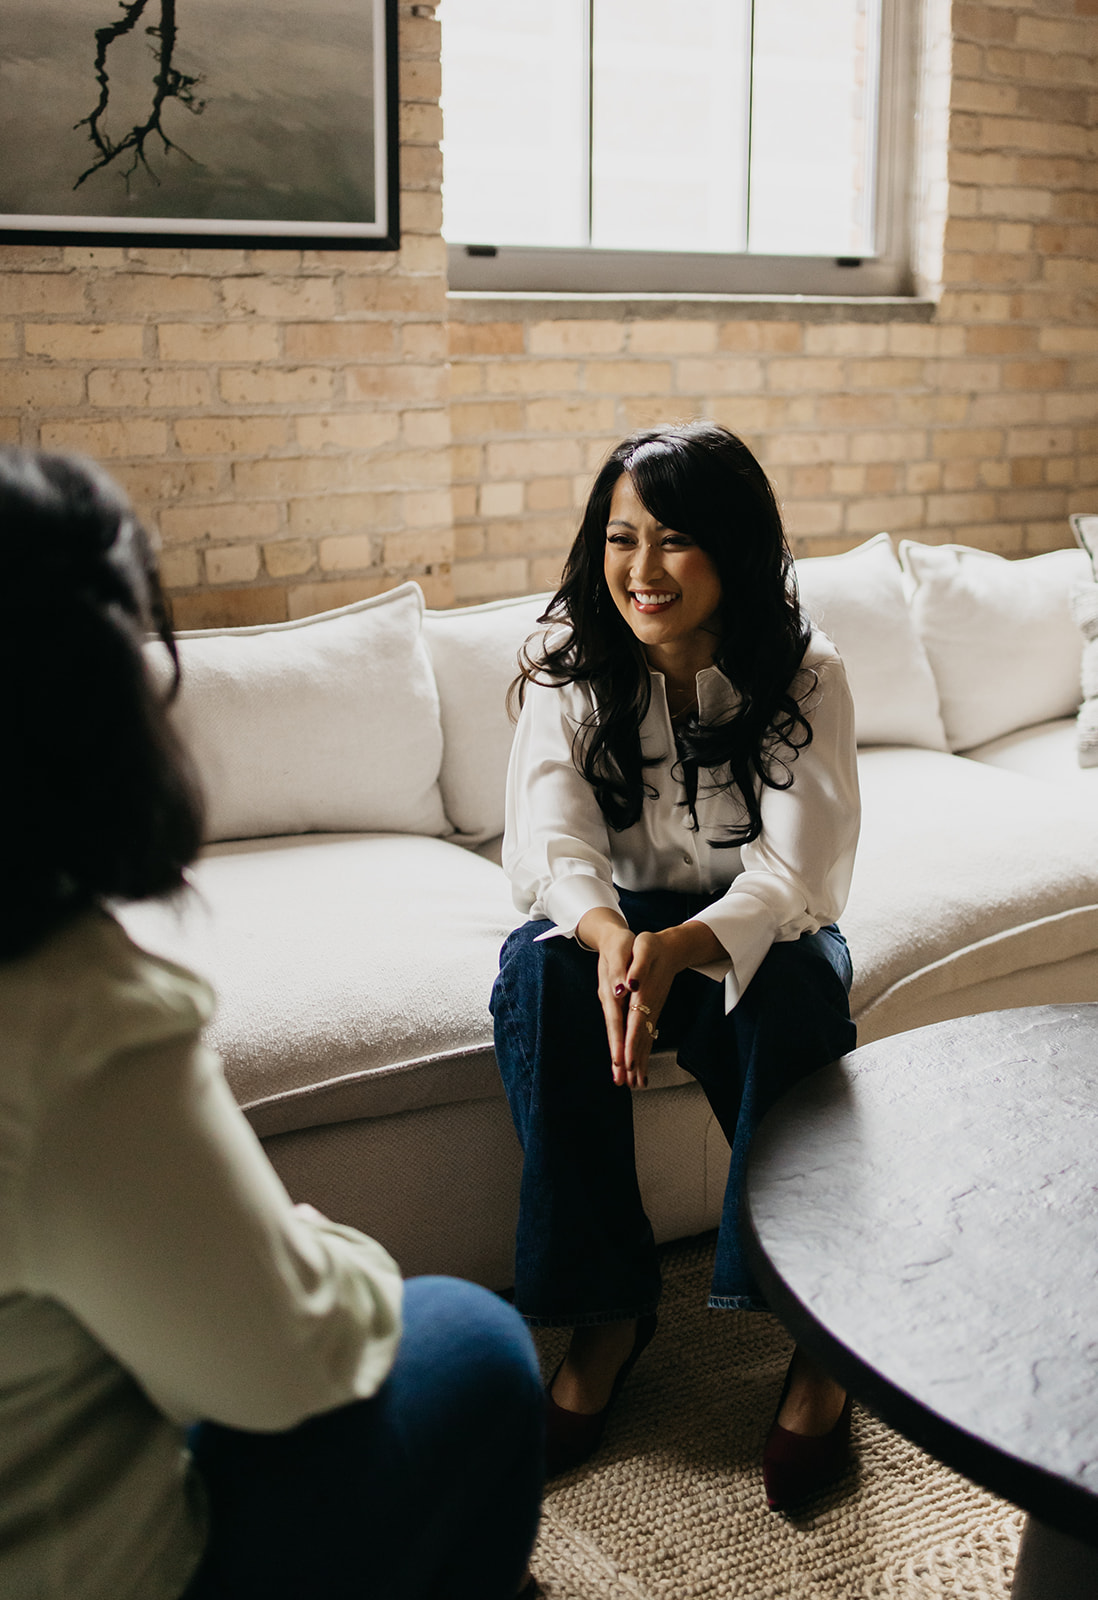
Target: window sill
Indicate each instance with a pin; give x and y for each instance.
(523, 305)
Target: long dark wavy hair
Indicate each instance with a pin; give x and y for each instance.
(99, 801)
(698, 479)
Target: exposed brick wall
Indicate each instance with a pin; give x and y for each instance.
(285, 418)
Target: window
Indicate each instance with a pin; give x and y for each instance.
(675, 145)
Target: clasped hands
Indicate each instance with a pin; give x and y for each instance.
(636, 972)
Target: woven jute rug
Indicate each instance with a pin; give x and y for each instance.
(672, 1507)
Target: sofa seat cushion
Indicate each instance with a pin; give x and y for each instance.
(1048, 753)
(964, 873)
(352, 971)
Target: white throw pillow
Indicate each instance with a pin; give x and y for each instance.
(858, 600)
(998, 634)
(475, 653)
(1084, 608)
(1084, 525)
(329, 724)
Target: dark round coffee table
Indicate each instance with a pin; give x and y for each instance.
(923, 1216)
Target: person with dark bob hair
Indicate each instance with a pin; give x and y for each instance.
(106, 805)
(205, 1390)
(682, 816)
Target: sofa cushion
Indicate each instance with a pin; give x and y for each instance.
(1084, 525)
(999, 636)
(352, 972)
(1084, 608)
(1046, 753)
(964, 874)
(475, 654)
(329, 723)
(858, 600)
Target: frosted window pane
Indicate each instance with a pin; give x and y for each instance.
(812, 129)
(514, 121)
(669, 115)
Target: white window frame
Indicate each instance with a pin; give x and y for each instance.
(482, 265)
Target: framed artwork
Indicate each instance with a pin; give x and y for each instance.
(199, 122)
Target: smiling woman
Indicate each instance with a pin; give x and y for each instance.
(682, 812)
(705, 489)
(668, 590)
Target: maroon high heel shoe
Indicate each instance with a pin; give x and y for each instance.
(572, 1437)
(797, 1465)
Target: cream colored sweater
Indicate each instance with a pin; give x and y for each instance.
(152, 1271)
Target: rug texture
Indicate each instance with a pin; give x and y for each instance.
(672, 1506)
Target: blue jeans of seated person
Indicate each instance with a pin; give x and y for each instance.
(430, 1490)
(585, 1252)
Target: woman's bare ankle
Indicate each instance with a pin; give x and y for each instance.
(595, 1357)
(813, 1401)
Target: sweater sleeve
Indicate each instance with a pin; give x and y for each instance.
(151, 1212)
(796, 874)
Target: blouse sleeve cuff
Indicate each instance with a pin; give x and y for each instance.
(746, 928)
(568, 900)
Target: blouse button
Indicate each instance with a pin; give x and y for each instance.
(689, 860)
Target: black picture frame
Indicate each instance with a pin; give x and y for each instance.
(307, 171)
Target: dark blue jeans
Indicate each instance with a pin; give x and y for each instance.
(430, 1490)
(585, 1251)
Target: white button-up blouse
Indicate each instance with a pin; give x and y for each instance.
(563, 859)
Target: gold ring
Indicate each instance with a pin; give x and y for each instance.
(636, 1006)
(654, 1033)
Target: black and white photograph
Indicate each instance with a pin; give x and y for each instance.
(267, 121)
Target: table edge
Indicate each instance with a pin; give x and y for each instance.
(1054, 1500)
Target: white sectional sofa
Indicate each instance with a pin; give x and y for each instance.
(349, 907)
